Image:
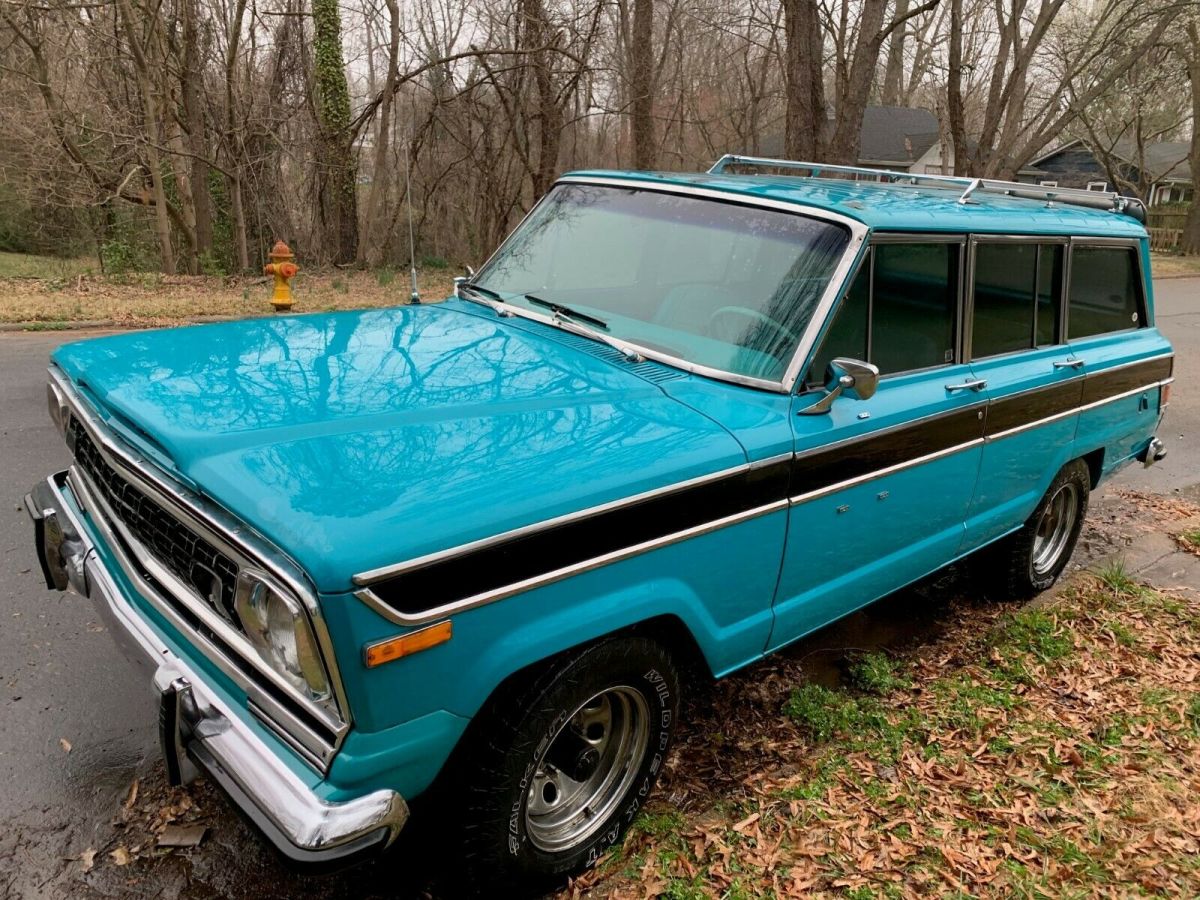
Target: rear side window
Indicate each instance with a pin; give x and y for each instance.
(914, 302)
(1004, 287)
(1105, 292)
(1017, 296)
(899, 312)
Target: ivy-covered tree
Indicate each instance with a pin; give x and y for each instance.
(336, 168)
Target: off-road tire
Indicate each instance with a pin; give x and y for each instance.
(499, 763)
(1014, 567)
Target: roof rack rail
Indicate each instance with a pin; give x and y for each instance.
(1104, 200)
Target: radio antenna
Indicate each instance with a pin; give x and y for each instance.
(412, 244)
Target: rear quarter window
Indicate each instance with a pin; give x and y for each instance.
(1105, 291)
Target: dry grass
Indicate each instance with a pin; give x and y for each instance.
(1049, 751)
(1173, 265)
(49, 293)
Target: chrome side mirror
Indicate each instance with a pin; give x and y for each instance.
(854, 377)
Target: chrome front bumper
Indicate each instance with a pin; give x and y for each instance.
(198, 730)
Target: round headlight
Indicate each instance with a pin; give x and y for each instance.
(279, 631)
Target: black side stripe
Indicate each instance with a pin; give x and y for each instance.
(491, 568)
(856, 458)
(1105, 384)
(530, 555)
(1007, 413)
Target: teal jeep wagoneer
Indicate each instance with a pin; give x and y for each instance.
(673, 424)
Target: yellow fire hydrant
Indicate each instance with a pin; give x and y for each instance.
(284, 268)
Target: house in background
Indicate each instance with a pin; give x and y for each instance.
(1165, 163)
(901, 139)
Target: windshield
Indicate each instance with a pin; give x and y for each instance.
(718, 284)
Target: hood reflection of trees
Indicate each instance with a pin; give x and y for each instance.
(406, 410)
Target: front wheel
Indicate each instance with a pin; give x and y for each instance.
(559, 765)
(1030, 560)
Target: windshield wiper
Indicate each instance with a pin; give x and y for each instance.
(561, 310)
(566, 320)
(477, 293)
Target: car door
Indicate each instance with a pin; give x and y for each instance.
(880, 487)
(1016, 343)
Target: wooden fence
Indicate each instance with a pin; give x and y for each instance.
(1166, 228)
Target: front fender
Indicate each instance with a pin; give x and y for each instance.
(718, 585)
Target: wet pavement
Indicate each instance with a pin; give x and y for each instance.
(79, 767)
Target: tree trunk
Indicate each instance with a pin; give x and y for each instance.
(336, 170)
(893, 75)
(548, 114)
(847, 134)
(641, 84)
(152, 134)
(954, 98)
(805, 81)
(1191, 228)
(372, 244)
(193, 111)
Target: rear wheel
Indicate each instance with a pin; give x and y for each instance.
(557, 767)
(1030, 560)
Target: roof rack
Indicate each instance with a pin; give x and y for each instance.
(1104, 200)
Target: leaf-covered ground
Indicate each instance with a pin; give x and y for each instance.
(1045, 751)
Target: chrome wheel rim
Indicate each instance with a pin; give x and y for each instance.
(585, 770)
(1054, 529)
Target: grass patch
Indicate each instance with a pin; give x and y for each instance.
(1174, 264)
(45, 290)
(54, 268)
(875, 673)
(1117, 579)
(1034, 633)
(657, 824)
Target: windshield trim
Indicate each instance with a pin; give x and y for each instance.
(839, 277)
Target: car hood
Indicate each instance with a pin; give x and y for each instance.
(355, 440)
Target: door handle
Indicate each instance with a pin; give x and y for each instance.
(974, 384)
(1068, 363)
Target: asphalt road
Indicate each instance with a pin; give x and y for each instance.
(77, 727)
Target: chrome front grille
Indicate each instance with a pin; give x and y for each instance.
(190, 557)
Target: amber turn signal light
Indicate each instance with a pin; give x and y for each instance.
(1166, 395)
(406, 644)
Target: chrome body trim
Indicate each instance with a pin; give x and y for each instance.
(1124, 394)
(218, 740)
(978, 405)
(310, 745)
(1134, 362)
(227, 534)
(1078, 409)
(879, 473)
(1074, 411)
(367, 596)
(364, 579)
(839, 278)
